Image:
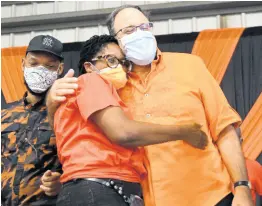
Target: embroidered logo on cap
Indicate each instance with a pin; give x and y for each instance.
(48, 42)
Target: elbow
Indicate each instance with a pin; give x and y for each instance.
(124, 138)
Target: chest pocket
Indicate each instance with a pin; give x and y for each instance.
(9, 139)
(45, 138)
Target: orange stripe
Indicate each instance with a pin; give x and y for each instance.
(12, 76)
(252, 131)
(216, 48)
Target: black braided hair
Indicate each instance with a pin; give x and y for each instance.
(92, 47)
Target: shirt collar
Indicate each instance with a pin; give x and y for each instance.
(158, 63)
(29, 105)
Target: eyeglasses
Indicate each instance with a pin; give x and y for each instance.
(112, 61)
(132, 29)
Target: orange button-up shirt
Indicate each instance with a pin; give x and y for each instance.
(178, 89)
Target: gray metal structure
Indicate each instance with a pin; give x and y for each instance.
(162, 11)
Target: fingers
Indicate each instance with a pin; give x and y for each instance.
(49, 184)
(53, 178)
(203, 141)
(47, 173)
(50, 191)
(59, 98)
(67, 80)
(64, 92)
(62, 88)
(197, 126)
(70, 73)
(56, 174)
(66, 85)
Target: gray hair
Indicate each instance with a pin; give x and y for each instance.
(111, 18)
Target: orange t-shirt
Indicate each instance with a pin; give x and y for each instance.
(83, 149)
(178, 89)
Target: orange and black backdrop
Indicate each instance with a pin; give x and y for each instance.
(233, 56)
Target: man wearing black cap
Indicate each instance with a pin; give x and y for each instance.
(28, 142)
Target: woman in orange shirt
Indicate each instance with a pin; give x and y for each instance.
(96, 139)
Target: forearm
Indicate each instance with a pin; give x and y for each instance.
(142, 134)
(123, 131)
(232, 155)
(51, 109)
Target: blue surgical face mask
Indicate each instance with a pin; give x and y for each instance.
(140, 47)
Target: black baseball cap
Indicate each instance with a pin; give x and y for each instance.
(47, 44)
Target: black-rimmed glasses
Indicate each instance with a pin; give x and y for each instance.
(112, 61)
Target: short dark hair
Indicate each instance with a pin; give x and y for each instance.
(44, 52)
(111, 18)
(92, 47)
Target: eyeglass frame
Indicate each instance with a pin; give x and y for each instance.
(122, 62)
(151, 25)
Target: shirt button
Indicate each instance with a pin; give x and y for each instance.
(146, 95)
(148, 115)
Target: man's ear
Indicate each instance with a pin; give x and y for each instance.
(60, 69)
(23, 64)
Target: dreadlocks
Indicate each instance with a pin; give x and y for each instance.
(91, 47)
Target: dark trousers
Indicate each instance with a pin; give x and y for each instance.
(82, 192)
(226, 201)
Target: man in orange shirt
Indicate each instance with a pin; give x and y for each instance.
(171, 88)
(90, 124)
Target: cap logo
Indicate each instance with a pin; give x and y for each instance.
(48, 42)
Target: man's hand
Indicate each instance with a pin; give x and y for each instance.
(242, 197)
(61, 88)
(50, 183)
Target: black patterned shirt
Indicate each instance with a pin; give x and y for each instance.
(28, 150)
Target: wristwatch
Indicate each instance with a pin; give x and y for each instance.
(242, 183)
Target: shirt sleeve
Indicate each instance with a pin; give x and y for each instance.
(94, 94)
(218, 112)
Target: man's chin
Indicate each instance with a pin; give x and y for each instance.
(42, 94)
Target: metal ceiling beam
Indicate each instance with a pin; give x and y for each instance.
(163, 11)
(9, 3)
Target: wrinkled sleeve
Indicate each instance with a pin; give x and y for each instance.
(218, 112)
(94, 94)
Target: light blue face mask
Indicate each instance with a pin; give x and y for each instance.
(140, 47)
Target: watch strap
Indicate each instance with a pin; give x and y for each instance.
(242, 183)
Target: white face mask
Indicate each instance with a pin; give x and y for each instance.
(39, 78)
(140, 47)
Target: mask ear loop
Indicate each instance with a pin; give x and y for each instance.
(94, 69)
(57, 71)
(130, 68)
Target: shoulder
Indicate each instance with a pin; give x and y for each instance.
(184, 64)
(90, 79)
(182, 58)
(12, 108)
(93, 83)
